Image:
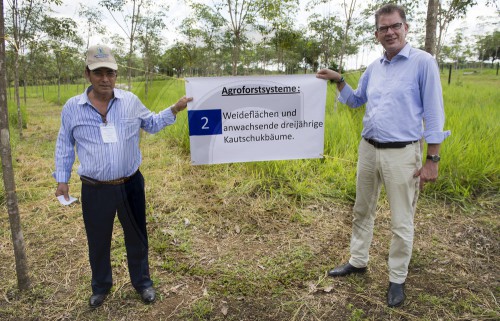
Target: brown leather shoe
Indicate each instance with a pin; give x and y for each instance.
(96, 300)
(345, 269)
(395, 295)
(148, 295)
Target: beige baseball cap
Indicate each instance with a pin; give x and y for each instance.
(100, 56)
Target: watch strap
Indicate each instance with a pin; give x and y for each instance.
(341, 80)
(434, 158)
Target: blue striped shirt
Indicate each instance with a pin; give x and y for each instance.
(104, 161)
(400, 95)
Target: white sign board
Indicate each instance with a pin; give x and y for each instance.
(244, 119)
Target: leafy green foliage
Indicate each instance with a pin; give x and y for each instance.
(489, 46)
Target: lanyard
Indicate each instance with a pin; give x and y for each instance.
(103, 117)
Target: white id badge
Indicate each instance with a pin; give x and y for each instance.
(108, 133)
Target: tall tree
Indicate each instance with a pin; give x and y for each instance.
(488, 46)
(457, 50)
(311, 51)
(278, 26)
(238, 17)
(285, 42)
(328, 33)
(25, 16)
(23, 281)
(63, 41)
(349, 14)
(134, 20)
(241, 14)
(149, 36)
(431, 26)
(174, 60)
(208, 38)
(449, 10)
(93, 18)
(38, 55)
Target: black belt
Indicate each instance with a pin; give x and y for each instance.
(118, 181)
(389, 144)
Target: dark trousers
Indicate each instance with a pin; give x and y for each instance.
(100, 203)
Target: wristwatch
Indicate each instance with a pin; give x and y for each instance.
(341, 80)
(434, 158)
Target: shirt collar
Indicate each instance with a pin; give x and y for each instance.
(404, 53)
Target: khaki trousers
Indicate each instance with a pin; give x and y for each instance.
(394, 168)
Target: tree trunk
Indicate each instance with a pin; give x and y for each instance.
(59, 87)
(25, 83)
(129, 63)
(16, 32)
(146, 69)
(146, 83)
(236, 53)
(16, 93)
(235, 61)
(23, 281)
(439, 41)
(431, 26)
(348, 17)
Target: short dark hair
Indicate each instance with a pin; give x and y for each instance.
(388, 9)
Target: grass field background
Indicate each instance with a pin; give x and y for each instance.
(252, 241)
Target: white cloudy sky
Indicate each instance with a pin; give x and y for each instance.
(178, 11)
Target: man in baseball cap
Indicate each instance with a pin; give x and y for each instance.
(104, 124)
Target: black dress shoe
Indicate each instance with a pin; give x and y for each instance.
(346, 269)
(96, 300)
(148, 295)
(395, 295)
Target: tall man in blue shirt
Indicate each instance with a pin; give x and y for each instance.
(104, 125)
(404, 103)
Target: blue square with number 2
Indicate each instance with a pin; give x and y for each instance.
(205, 122)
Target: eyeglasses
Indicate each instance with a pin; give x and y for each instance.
(101, 73)
(395, 26)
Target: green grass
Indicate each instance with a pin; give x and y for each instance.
(469, 169)
(262, 235)
(471, 153)
(201, 310)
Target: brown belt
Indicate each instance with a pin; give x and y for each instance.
(118, 181)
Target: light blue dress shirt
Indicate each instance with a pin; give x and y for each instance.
(80, 128)
(400, 95)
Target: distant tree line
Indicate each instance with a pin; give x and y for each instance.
(225, 38)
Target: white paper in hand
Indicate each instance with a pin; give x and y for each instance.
(63, 201)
